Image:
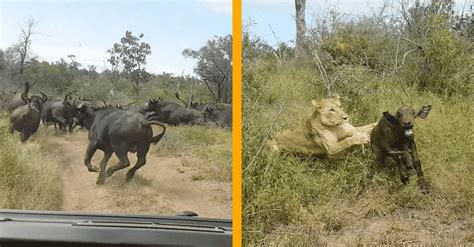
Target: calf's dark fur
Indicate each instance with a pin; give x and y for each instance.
(393, 137)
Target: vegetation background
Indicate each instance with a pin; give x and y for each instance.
(413, 53)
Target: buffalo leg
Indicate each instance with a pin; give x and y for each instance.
(419, 173)
(11, 129)
(123, 163)
(24, 136)
(379, 155)
(399, 159)
(103, 165)
(140, 162)
(91, 148)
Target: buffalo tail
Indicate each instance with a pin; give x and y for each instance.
(156, 139)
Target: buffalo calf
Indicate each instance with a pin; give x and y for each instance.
(393, 137)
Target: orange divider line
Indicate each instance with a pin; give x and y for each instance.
(237, 122)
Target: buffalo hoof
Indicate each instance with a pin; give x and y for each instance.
(92, 169)
(100, 180)
(109, 173)
(404, 179)
(424, 187)
(129, 177)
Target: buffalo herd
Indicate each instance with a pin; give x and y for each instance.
(115, 129)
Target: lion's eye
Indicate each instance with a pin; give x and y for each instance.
(332, 109)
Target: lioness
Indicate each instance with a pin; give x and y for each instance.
(327, 131)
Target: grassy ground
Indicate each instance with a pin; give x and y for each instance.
(296, 200)
(28, 177)
(200, 146)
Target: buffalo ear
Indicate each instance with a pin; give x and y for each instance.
(423, 112)
(389, 117)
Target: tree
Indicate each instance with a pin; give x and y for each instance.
(214, 66)
(115, 71)
(438, 56)
(22, 48)
(132, 54)
(3, 62)
(300, 26)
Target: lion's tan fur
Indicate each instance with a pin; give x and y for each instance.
(326, 131)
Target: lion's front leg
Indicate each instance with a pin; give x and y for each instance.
(334, 148)
(367, 129)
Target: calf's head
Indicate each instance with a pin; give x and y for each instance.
(405, 117)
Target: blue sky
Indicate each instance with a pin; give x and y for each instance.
(279, 14)
(88, 28)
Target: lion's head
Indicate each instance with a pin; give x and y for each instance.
(330, 111)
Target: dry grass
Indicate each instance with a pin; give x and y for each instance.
(28, 173)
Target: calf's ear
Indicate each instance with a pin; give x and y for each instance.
(389, 117)
(423, 111)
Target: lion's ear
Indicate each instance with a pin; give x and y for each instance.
(315, 103)
(336, 98)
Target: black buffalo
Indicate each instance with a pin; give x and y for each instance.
(141, 108)
(60, 112)
(222, 116)
(203, 106)
(174, 114)
(26, 118)
(116, 131)
(17, 100)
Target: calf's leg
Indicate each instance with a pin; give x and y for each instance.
(379, 154)
(399, 158)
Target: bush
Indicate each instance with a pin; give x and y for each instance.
(28, 177)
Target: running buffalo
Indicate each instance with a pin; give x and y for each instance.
(17, 100)
(116, 131)
(59, 111)
(26, 118)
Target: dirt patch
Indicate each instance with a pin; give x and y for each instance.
(163, 186)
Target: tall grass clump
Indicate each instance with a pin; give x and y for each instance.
(28, 178)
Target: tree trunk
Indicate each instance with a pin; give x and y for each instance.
(137, 91)
(300, 27)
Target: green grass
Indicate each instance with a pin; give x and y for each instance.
(297, 200)
(28, 178)
(200, 146)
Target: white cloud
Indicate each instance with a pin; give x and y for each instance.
(218, 6)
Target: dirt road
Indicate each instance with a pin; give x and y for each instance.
(162, 187)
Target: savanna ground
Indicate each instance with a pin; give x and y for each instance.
(297, 200)
(189, 170)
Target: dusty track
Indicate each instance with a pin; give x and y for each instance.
(162, 187)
